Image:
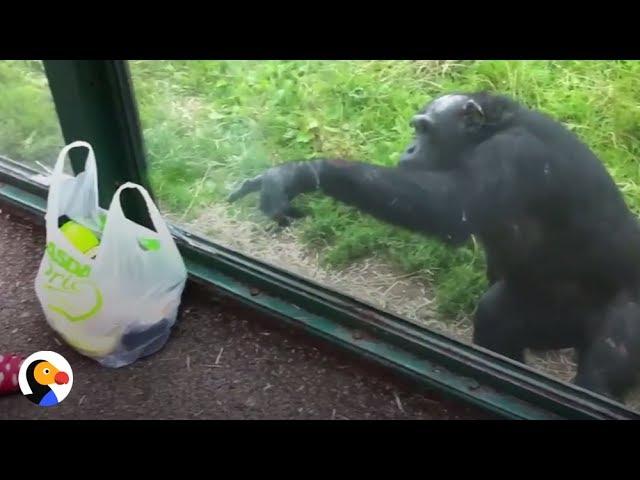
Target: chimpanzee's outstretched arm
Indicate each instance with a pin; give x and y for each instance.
(500, 178)
(426, 202)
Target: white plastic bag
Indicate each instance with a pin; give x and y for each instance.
(120, 305)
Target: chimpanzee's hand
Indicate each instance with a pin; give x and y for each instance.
(278, 186)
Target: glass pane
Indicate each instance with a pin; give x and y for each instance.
(29, 128)
(210, 125)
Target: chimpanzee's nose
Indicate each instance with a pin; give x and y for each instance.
(408, 155)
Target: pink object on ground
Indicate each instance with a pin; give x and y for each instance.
(9, 368)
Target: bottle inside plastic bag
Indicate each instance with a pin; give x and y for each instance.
(140, 344)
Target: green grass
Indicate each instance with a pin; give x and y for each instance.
(210, 124)
(29, 129)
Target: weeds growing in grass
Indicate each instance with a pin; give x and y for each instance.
(209, 124)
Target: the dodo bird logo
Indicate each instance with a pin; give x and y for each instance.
(45, 378)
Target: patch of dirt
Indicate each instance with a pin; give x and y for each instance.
(372, 281)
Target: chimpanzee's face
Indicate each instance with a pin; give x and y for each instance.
(442, 128)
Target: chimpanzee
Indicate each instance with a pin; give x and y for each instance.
(563, 248)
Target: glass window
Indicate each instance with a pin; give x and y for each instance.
(210, 125)
(29, 128)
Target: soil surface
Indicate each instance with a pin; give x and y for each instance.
(223, 361)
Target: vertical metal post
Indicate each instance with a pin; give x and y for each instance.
(95, 102)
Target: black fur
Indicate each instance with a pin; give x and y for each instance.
(563, 249)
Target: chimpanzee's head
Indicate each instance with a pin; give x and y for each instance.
(451, 123)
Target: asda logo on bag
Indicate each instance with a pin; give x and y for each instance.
(70, 292)
(66, 261)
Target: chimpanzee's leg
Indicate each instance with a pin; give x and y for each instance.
(497, 323)
(508, 320)
(610, 363)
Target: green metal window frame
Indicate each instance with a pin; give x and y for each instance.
(95, 102)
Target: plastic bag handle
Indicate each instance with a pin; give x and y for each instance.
(90, 163)
(90, 169)
(116, 213)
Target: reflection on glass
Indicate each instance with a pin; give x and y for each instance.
(210, 125)
(29, 128)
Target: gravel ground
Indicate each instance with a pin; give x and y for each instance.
(223, 361)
